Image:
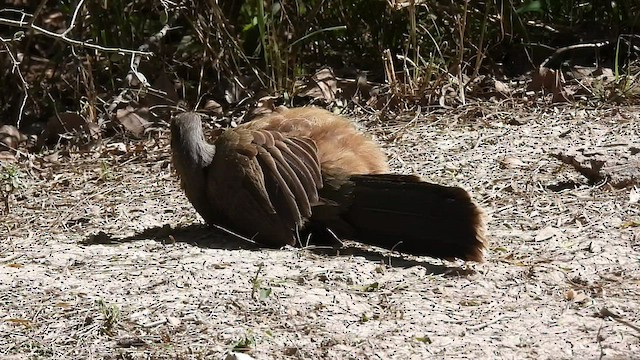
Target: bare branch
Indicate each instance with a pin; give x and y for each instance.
(73, 18)
(135, 60)
(39, 30)
(25, 86)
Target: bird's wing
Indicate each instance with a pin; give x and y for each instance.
(264, 182)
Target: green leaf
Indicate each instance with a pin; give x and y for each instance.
(264, 293)
(424, 339)
(369, 288)
(533, 6)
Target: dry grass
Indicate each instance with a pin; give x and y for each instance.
(561, 259)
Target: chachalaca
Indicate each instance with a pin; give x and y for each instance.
(307, 172)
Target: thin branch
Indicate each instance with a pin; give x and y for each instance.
(25, 86)
(64, 38)
(73, 18)
(135, 60)
(35, 13)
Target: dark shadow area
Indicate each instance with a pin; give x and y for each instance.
(563, 185)
(206, 237)
(199, 235)
(397, 261)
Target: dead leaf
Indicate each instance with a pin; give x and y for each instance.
(116, 148)
(603, 73)
(173, 321)
(502, 87)
(547, 233)
(238, 356)
(53, 158)
(129, 342)
(634, 195)
(134, 120)
(569, 294)
(543, 79)
(604, 163)
(213, 107)
(580, 72)
(266, 105)
(10, 137)
(7, 156)
(240, 88)
(23, 322)
(510, 162)
(575, 296)
(68, 123)
(168, 94)
(323, 85)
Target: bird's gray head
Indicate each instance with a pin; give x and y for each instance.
(187, 140)
(186, 123)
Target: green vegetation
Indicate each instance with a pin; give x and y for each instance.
(11, 179)
(245, 343)
(257, 287)
(110, 317)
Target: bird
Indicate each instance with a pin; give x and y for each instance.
(306, 173)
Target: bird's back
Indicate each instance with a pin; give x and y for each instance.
(342, 149)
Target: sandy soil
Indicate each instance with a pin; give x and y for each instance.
(101, 256)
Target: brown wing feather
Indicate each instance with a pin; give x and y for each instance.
(301, 171)
(280, 189)
(287, 193)
(307, 151)
(265, 183)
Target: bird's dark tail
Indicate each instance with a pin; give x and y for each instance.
(406, 214)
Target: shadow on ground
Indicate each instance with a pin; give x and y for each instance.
(199, 235)
(206, 237)
(398, 261)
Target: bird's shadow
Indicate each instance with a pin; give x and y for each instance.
(398, 261)
(198, 235)
(206, 237)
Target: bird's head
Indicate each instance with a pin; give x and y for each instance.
(187, 140)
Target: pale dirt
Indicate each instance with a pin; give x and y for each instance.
(561, 278)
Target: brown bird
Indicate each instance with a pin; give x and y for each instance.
(307, 172)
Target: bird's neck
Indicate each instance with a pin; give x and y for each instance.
(190, 149)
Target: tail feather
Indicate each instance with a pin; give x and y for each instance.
(407, 214)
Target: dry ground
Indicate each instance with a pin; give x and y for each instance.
(80, 278)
